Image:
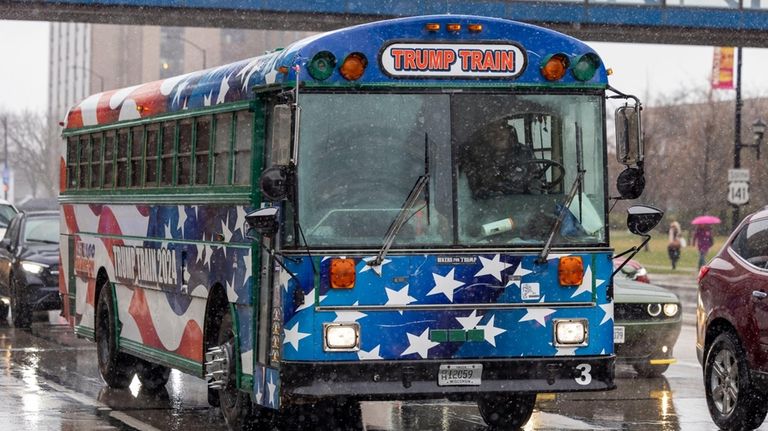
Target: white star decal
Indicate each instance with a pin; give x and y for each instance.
(537, 314)
(223, 89)
(259, 396)
(271, 387)
(419, 344)
(168, 233)
(492, 267)
(283, 279)
(225, 232)
(608, 310)
(376, 269)
(518, 275)
(490, 331)
(471, 321)
(599, 283)
(208, 255)
(293, 336)
(269, 77)
(207, 98)
(445, 285)
(240, 222)
(182, 219)
(231, 294)
(586, 283)
(349, 316)
(180, 90)
(399, 297)
(369, 356)
(566, 351)
(557, 255)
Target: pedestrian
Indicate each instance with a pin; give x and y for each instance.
(673, 246)
(702, 239)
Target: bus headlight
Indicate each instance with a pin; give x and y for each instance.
(670, 309)
(341, 336)
(571, 332)
(32, 268)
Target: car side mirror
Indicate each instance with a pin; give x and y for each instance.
(642, 218)
(262, 222)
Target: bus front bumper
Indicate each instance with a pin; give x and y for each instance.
(382, 380)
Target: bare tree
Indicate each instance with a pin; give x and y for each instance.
(34, 152)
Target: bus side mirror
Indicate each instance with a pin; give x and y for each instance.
(281, 135)
(275, 183)
(262, 222)
(631, 183)
(629, 135)
(642, 218)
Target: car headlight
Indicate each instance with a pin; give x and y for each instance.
(641, 272)
(342, 336)
(654, 309)
(671, 309)
(32, 267)
(570, 332)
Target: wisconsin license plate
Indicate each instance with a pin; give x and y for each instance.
(460, 375)
(618, 334)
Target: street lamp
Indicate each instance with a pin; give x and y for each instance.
(194, 45)
(758, 129)
(101, 78)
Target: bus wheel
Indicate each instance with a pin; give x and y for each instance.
(506, 411)
(153, 377)
(116, 368)
(235, 404)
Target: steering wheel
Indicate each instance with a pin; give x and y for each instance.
(537, 169)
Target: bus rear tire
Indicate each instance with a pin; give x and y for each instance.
(116, 368)
(153, 377)
(506, 411)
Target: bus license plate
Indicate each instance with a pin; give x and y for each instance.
(618, 334)
(460, 375)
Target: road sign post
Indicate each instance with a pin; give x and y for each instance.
(738, 186)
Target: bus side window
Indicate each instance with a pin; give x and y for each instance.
(84, 160)
(109, 156)
(243, 139)
(202, 147)
(122, 158)
(168, 145)
(72, 162)
(221, 149)
(185, 152)
(137, 151)
(96, 160)
(150, 166)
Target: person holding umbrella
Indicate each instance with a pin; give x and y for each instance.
(702, 237)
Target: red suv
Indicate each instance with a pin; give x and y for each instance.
(732, 327)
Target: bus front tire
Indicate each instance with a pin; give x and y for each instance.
(116, 368)
(506, 411)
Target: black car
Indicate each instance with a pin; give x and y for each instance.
(29, 265)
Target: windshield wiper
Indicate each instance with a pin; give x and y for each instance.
(400, 220)
(563, 210)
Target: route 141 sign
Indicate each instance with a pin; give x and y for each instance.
(738, 192)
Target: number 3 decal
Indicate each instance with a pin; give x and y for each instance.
(585, 378)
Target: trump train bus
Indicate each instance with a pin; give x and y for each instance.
(412, 208)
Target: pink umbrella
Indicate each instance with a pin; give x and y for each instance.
(705, 219)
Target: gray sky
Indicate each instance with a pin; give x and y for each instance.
(649, 71)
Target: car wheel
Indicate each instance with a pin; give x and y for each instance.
(733, 401)
(116, 368)
(506, 411)
(648, 370)
(153, 377)
(20, 310)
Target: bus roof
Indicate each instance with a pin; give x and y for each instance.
(438, 50)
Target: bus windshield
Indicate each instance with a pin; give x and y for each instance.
(499, 168)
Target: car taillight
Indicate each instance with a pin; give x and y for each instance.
(702, 272)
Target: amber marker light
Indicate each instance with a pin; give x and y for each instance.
(570, 271)
(283, 69)
(432, 26)
(554, 67)
(342, 273)
(453, 27)
(475, 28)
(354, 66)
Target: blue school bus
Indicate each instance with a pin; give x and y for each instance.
(406, 209)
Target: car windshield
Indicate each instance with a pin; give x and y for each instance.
(7, 212)
(42, 229)
(499, 168)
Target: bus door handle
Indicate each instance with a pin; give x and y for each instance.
(759, 294)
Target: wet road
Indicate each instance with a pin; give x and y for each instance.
(49, 381)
